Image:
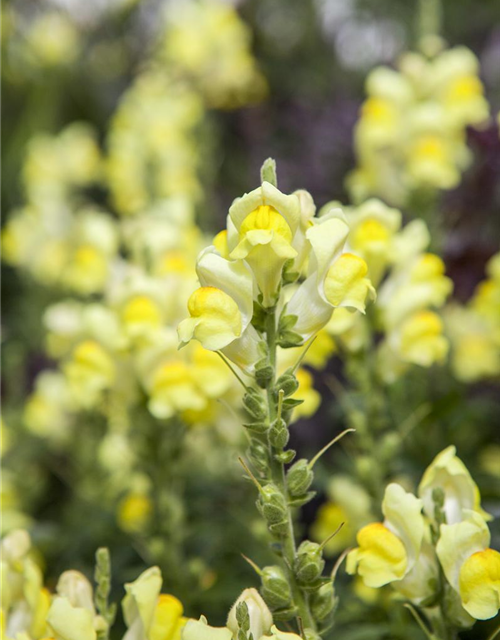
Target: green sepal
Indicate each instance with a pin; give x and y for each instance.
(291, 403)
(257, 427)
(275, 587)
(258, 453)
(300, 501)
(283, 615)
(289, 276)
(315, 585)
(290, 339)
(279, 529)
(259, 316)
(285, 457)
(287, 321)
(277, 548)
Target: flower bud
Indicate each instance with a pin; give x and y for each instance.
(275, 587)
(272, 504)
(263, 373)
(259, 455)
(255, 404)
(309, 563)
(74, 586)
(288, 383)
(299, 478)
(273, 507)
(278, 434)
(260, 617)
(324, 602)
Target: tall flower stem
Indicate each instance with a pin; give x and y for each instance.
(277, 474)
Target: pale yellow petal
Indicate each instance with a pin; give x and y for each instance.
(479, 584)
(380, 558)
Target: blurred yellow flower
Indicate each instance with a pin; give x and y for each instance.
(134, 512)
(306, 392)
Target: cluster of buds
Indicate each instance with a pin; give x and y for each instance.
(272, 280)
(434, 549)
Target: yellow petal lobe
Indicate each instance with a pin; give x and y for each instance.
(479, 584)
(380, 558)
(346, 283)
(215, 319)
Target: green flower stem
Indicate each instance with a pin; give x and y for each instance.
(277, 472)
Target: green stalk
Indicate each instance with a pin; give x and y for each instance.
(277, 472)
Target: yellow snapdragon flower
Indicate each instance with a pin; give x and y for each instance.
(187, 383)
(336, 279)
(222, 309)
(69, 622)
(172, 390)
(470, 566)
(475, 329)
(419, 284)
(422, 339)
(461, 493)
(373, 227)
(265, 223)
(134, 512)
(388, 551)
(455, 78)
(211, 44)
(25, 602)
(306, 392)
(90, 372)
(47, 410)
(150, 614)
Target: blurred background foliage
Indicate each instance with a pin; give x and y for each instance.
(67, 61)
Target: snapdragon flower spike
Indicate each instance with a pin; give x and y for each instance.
(335, 279)
(261, 229)
(388, 551)
(470, 566)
